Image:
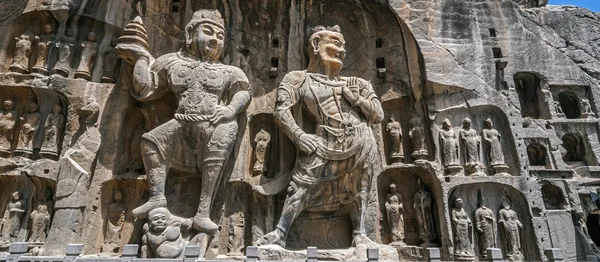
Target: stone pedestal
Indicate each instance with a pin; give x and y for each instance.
(554, 254)
(494, 254)
(432, 254)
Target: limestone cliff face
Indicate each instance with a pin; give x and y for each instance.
(532, 69)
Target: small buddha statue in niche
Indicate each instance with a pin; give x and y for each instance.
(262, 140)
(43, 44)
(395, 131)
(65, 50)
(110, 65)
(11, 221)
(8, 120)
(89, 49)
(114, 224)
(52, 129)
(31, 121)
(20, 62)
(40, 224)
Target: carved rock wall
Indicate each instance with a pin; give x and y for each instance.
(524, 65)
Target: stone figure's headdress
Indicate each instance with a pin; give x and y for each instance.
(208, 16)
(320, 28)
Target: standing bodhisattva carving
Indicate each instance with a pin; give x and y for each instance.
(342, 152)
(462, 227)
(449, 144)
(395, 215)
(44, 42)
(417, 137)
(89, 50)
(486, 227)
(40, 224)
(471, 144)
(510, 228)
(65, 53)
(52, 130)
(262, 140)
(423, 207)
(396, 150)
(8, 120)
(20, 62)
(211, 95)
(31, 121)
(11, 221)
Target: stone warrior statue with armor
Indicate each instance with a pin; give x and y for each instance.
(341, 152)
(204, 129)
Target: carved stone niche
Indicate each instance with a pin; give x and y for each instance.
(23, 122)
(529, 88)
(239, 221)
(133, 130)
(571, 100)
(493, 195)
(398, 147)
(537, 154)
(421, 224)
(266, 163)
(553, 196)
(15, 228)
(576, 150)
(116, 225)
(478, 116)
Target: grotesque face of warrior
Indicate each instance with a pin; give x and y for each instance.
(206, 40)
(330, 48)
(158, 221)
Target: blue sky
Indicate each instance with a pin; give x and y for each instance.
(593, 5)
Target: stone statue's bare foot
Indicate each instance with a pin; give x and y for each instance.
(153, 202)
(273, 238)
(204, 224)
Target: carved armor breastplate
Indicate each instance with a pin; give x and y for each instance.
(199, 87)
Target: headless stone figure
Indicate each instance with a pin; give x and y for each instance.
(40, 223)
(211, 95)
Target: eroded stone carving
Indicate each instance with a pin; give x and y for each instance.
(558, 109)
(210, 95)
(65, 49)
(89, 49)
(235, 241)
(586, 109)
(343, 108)
(52, 130)
(395, 215)
(114, 224)
(396, 150)
(417, 137)
(423, 207)
(43, 44)
(262, 140)
(20, 62)
(40, 223)
(8, 120)
(31, 121)
(136, 164)
(471, 147)
(162, 235)
(11, 221)
(110, 64)
(510, 229)
(486, 227)
(493, 146)
(449, 144)
(462, 230)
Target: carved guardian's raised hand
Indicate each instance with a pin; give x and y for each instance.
(133, 52)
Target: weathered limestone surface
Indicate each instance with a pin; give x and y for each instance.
(193, 133)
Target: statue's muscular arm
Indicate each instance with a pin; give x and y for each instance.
(287, 97)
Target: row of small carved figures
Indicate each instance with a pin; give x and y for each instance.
(44, 43)
(30, 123)
(10, 225)
(471, 147)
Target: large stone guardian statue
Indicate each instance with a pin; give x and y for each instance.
(341, 151)
(211, 95)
